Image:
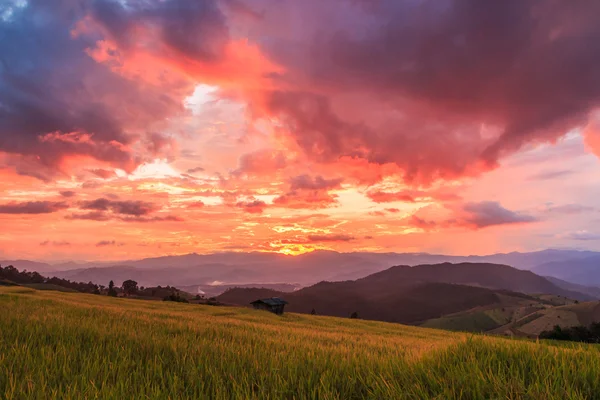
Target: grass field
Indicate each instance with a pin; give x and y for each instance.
(74, 346)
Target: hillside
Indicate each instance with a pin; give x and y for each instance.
(409, 306)
(466, 296)
(76, 345)
(593, 291)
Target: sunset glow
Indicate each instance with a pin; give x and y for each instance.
(250, 129)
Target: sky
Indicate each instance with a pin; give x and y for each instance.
(138, 128)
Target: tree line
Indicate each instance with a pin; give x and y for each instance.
(128, 288)
(25, 277)
(581, 333)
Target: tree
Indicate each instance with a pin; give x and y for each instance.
(354, 315)
(130, 287)
(111, 289)
(313, 312)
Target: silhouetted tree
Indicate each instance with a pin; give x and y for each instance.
(130, 287)
(111, 289)
(12, 274)
(313, 312)
(354, 315)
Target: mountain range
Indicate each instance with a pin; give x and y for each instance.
(231, 268)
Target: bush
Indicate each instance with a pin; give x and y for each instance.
(580, 333)
(176, 297)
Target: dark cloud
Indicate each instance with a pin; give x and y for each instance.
(128, 207)
(195, 170)
(56, 100)
(60, 243)
(68, 193)
(103, 216)
(104, 243)
(165, 218)
(192, 28)
(330, 238)
(33, 207)
(92, 216)
(441, 89)
(308, 192)
(103, 173)
(489, 213)
(252, 206)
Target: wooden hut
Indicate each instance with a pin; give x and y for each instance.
(272, 304)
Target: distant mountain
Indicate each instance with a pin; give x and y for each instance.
(232, 268)
(492, 276)
(413, 294)
(583, 271)
(27, 265)
(593, 291)
(215, 290)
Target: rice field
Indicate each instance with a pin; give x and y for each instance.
(73, 346)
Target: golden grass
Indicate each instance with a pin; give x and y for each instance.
(63, 345)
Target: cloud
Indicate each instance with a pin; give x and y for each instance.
(489, 213)
(252, 206)
(68, 193)
(59, 243)
(33, 207)
(104, 243)
(331, 238)
(580, 235)
(103, 216)
(260, 162)
(317, 183)
(103, 209)
(411, 196)
(306, 199)
(403, 82)
(591, 134)
(550, 175)
(103, 173)
(386, 197)
(129, 207)
(92, 216)
(306, 192)
(570, 209)
(195, 205)
(61, 99)
(195, 170)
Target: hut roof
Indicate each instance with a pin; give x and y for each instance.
(272, 301)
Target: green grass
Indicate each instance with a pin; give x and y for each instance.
(73, 346)
(478, 321)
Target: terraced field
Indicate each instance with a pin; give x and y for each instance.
(73, 346)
